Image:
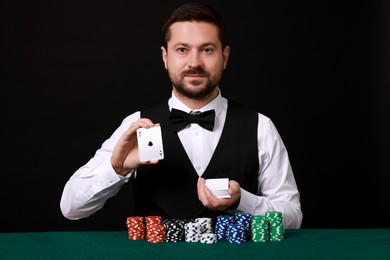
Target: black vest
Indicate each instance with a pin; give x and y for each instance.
(169, 188)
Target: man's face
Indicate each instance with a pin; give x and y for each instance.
(194, 58)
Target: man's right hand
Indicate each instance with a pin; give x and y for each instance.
(125, 156)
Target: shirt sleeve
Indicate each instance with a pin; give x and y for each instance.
(277, 188)
(94, 183)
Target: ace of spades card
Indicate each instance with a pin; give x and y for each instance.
(150, 144)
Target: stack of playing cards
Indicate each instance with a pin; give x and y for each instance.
(219, 187)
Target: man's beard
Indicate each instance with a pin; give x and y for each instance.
(203, 91)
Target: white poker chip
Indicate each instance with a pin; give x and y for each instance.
(208, 238)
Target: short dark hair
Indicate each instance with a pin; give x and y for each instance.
(194, 11)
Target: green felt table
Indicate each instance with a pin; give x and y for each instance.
(297, 244)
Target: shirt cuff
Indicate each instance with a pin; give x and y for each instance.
(247, 202)
(109, 177)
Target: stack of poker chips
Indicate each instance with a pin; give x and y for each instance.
(268, 227)
(156, 234)
(235, 229)
(155, 230)
(135, 228)
(244, 219)
(222, 225)
(205, 224)
(276, 227)
(200, 230)
(208, 236)
(193, 232)
(259, 228)
(174, 230)
(236, 234)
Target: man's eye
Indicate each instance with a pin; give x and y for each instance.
(181, 50)
(207, 50)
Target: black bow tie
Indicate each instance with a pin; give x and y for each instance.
(181, 119)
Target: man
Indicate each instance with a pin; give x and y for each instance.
(242, 145)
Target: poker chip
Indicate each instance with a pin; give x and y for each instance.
(208, 238)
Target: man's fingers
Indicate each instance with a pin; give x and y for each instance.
(209, 200)
(203, 193)
(200, 187)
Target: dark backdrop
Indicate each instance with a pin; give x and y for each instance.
(72, 70)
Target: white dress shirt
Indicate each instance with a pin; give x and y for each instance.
(90, 186)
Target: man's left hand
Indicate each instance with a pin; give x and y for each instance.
(210, 201)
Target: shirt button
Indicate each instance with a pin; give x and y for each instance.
(198, 168)
(196, 134)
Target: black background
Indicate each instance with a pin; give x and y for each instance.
(72, 70)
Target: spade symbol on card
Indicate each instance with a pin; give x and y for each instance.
(150, 144)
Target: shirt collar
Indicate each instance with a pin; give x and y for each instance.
(216, 104)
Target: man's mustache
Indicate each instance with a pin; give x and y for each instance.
(194, 71)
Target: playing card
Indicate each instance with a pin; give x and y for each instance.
(150, 144)
(219, 187)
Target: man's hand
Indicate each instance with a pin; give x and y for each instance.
(125, 156)
(210, 201)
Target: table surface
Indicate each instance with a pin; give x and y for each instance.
(297, 244)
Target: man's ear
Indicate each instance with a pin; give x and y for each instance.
(164, 56)
(225, 53)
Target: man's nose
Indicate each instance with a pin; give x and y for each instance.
(195, 60)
